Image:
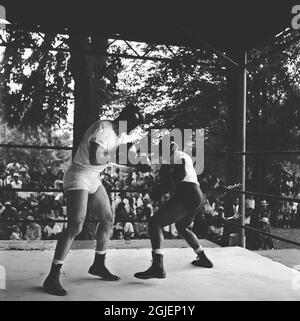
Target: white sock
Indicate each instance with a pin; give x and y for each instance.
(198, 250)
(100, 252)
(57, 262)
(158, 251)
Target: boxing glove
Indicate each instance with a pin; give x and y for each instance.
(157, 192)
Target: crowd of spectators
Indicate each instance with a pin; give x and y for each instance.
(132, 207)
(260, 214)
(19, 208)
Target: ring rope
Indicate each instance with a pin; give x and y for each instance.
(264, 195)
(207, 221)
(217, 152)
(222, 188)
(36, 147)
(254, 152)
(279, 238)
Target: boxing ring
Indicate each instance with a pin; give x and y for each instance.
(238, 275)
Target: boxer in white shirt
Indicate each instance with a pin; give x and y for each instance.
(84, 190)
(180, 176)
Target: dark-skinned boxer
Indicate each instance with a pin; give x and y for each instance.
(187, 200)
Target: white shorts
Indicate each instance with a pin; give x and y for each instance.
(77, 177)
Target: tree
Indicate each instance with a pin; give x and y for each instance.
(36, 84)
(191, 92)
(273, 105)
(187, 92)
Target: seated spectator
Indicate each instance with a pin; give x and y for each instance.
(216, 230)
(2, 209)
(122, 208)
(235, 210)
(170, 231)
(25, 212)
(107, 182)
(10, 212)
(134, 183)
(58, 183)
(132, 208)
(147, 204)
(139, 200)
(128, 180)
(24, 177)
(118, 231)
(250, 202)
(51, 230)
(3, 176)
(36, 178)
(33, 230)
(248, 213)
(147, 212)
(15, 233)
(141, 227)
(14, 165)
(61, 217)
(33, 201)
(209, 208)
(48, 178)
(24, 166)
(128, 231)
(2, 167)
(16, 182)
(145, 195)
(123, 230)
(59, 199)
(9, 177)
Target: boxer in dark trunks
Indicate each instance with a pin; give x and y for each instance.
(181, 209)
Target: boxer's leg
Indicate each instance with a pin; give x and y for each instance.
(169, 213)
(76, 211)
(182, 227)
(99, 206)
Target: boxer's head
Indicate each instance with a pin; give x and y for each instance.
(133, 115)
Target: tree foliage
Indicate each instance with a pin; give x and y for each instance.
(187, 92)
(36, 84)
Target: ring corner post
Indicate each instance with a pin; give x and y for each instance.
(243, 93)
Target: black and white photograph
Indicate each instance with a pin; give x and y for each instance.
(149, 154)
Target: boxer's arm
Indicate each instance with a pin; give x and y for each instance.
(134, 158)
(179, 171)
(158, 191)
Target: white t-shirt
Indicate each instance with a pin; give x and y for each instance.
(102, 133)
(190, 173)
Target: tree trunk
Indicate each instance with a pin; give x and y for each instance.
(89, 88)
